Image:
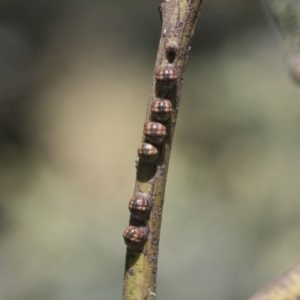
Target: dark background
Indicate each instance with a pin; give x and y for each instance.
(74, 84)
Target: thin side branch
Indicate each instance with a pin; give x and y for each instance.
(285, 287)
(143, 233)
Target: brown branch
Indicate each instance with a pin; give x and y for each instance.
(142, 235)
(285, 287)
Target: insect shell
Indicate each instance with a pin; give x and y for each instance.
(166, 73)
(147, 152)
(135, 236)
(161, 109)
(140, 206)
(155, 132)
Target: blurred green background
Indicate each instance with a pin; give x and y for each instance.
(74, 84)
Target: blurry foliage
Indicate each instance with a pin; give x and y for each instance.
(74, 83)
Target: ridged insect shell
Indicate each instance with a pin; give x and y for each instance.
(155, 132)
(140, 206)
(135, 236)
(166, 73)
(161, 109)
(147, 152)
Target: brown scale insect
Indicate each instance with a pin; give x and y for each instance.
(147, 152)
(161, 109)
(140, 206)
(135, 236)
(155, 132)
(166, 73)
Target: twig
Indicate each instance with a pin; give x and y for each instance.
(287, 286)
(142, 235)
(286, 15)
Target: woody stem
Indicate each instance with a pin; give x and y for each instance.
(179, 18)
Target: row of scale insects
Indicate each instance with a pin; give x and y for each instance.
(155, 132)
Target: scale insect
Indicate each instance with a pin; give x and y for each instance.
(155, 132)
(166, 73)
(148, 152)
(135, 237)
(140, 206)
(161, 109)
